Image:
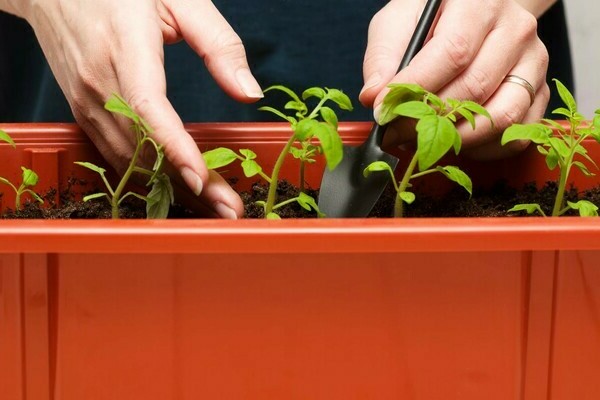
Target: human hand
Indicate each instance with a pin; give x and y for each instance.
(96, 48)
(474, 45)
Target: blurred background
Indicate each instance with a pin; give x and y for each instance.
(584, 31)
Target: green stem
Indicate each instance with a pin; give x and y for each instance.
(317, 108)
(562, 183)
(272, 194)
(420, 174)
(115, 198)
(285, 203)
(399, 205)
(18, 200)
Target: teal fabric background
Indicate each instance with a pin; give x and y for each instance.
(296, 43)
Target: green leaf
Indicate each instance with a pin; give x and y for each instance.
(579, 149)
(554, 124)
(278, 113)
(457, 175)
(251, 168)
(583, 168)
(436, 101)
(414, 109)
(340, 98)
(560, 146)
(296, 105)
(585, 208)
(284, 89)
(305, 129)
(160, 198)
(219, 157)
(331, 144)
(566, 96)
(457, 143)
(435, 136)
(476, 108)
(297, 153)
(407, 197)
(34, 195)
(529, 208)
(249, 154)
(272, 215)
(5, 137)
(91, 166)
(537, 133)
(308, 203)
(542, 150)
(552, 159)
(313, 92)
(399, 93)
(468, 115)
(116, 104)
(329, 116)
(377, 166)
(562, 111)
(94, 196)
(30, 178)
(7, 182)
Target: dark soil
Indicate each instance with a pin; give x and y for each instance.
(491, 203)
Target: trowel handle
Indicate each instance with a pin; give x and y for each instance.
(421, 31)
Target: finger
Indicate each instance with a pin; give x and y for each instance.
(450, 51)
(213, 39)
(389, 33)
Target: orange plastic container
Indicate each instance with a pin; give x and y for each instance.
(497, 308)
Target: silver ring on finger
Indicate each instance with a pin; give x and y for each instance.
(523, 83)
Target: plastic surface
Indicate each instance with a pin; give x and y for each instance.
(313, 309)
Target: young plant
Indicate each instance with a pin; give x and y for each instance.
(436, 135)
(160, 197)
(314, 132)
(563, 148)
(30, 179)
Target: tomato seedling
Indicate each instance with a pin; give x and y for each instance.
(436, 135)
(160, 197)
(314, 132)
(564, 150)
(29, 180)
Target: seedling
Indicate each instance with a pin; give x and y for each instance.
(160, 197)
(564, 150)
(314, 132)
(30, 179)
(436, 135)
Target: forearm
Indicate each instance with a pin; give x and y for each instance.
(537, 7)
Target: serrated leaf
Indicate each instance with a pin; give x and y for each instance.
(414, 109)
(305, 129)
(249, 154)
(273, 216)
(91, 166)
(219, 157)
(560, 146)
(160, 198)
(313, 92)
(468, 115)
(94, 196)
(552, 159)
(296, 152)
(377, 166)
(331, 144)
(529, 208)
(284, 89)
(435, 136)
(329, 116)
(407, 197)
(398, 94)
(566, 96)
(5, 137)
(30, 178)
(251, 168)
(116, 104)
(554, 124)
(583, 168)
(308, 203)
(436, 101)
(455, 174)
(476, 108)
(537, 133)
(585, 208)
(340, 98)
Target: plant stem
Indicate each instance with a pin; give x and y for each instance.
(114, 201)
(564, 175)
(275, 175)
(18, 200)
(399, 205)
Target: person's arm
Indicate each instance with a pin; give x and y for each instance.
(96, 48)
(537, 7)
(474, 46)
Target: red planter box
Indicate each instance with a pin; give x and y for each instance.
(497, 308)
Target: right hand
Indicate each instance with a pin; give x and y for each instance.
(96, 48)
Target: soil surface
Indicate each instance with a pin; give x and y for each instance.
(492, 203)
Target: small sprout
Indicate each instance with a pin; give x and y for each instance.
(436, 136)
(564, 150)
(29, 180)
(5, 137)
(314, 132)
(160, 197)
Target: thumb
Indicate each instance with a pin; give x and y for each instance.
(204, 28)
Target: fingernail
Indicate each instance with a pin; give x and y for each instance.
(248, 84)
(373, 81)
(376, 112)
(224, 211)
(193, 180)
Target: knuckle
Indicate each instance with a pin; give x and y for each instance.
(508, 117)
(458, 51)
(528, 24)
(476, 85)
(228, 45)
